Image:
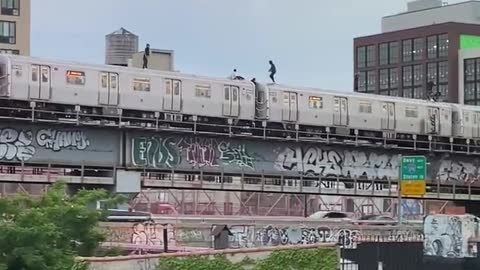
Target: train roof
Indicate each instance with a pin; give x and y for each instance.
(146, 72)
(359, 95)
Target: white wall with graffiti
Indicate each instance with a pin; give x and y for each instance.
(245, 236)
(449, 236)
(59, 145)
(294, 159)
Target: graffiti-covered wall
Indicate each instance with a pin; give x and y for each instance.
(215, 154)
(58, 145)
(449, 235)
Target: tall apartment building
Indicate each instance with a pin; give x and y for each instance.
(417, 47)
(15, 27)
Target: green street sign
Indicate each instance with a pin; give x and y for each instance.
(413, 172)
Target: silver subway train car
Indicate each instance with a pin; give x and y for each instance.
(130, 92)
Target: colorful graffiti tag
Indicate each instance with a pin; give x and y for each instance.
(170, 152)
(290, 159)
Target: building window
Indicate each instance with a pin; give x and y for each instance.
(383, 79)
(383, 54)
(407, 76)
(407, 50)
(394, 78)
(361, 57)
(388, 53)
(371, 81)
(437, 46)
(11, 7)
(394, 52)
(371, 59)
(7, 32)
(432, 47)
(9, 51)
(388, 79)
(437, 72)
(418, 49)
(472, 81)
(443, 45)
(413, 81)
(412, 49)
(367, 81)
(418, 93)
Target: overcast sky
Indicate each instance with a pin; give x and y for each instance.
(311, 41)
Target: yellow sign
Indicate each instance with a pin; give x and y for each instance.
(414, 188)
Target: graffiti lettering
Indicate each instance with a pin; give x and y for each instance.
(316, 161)
(155, 152)
(196, 152)
(149, 234)
(58, 139)
(457, 171)
(190, 235)
(16, 145)
(236, 155)
(199, 152)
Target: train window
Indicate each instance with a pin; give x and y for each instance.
(455, 116)
(227, 93)
(113, 81)
(286, 98)
(365, 107)
(141, 84)
(411, 112)
(104, 80)
(315, 102)
(34, 73)
(176, 88)
(45, 74)
(76, 77)
(337, 105)
(168, 87)
(203, 91)
(466, 117)
(235, 93)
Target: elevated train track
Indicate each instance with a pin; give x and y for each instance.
(155, 179)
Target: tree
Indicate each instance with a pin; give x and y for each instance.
(48, 233)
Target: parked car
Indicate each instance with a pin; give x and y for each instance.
(375, 220)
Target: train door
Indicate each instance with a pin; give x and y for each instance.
(388, 116)
(4, 81)
(340, 111)
(433, 121)
(290, 106)
(108, 89)
(40, 82)
(231, 100)
(476, 125)
(172, 100)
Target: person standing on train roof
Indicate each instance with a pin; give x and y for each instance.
(272, 70)
(234, 74)
(146, 54)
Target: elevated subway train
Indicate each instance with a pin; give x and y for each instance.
(105, 90)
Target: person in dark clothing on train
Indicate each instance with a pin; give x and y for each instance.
(146, 54)
(272, 70)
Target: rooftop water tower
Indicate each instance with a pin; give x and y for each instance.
(120, 47)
